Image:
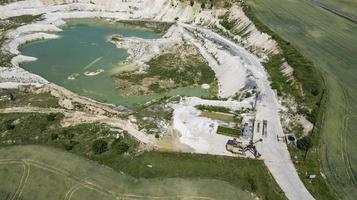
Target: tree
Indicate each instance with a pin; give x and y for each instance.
(304, 144)
(99, 146)
(122, 147)
(192, 3)
(51, 117)
(203, 6)
(10, 126)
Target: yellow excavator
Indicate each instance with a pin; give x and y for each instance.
(235, 146)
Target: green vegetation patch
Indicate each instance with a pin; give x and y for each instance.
(27, 128)
(16, 98)
(185, 68)
(35, 128)
(150, 116)
(349, 6)
(306, 157)
(213, 108)
(160, 27)
(249, 175)
(226, 22)
(311, 166)
(232, 132)
(8, 24)
(304, 71)
(10, 173)
(123, 156)
(219, 116)
(330, 42)
(50, 173)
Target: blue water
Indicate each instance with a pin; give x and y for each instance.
(83, 47)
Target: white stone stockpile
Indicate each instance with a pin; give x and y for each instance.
(199, 132)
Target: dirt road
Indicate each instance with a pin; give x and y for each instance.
(274, 153)
(76, 117)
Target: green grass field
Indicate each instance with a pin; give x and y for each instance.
(232, 132)
(41, 173)
(44, 100)
(125, 156)
(349, 6)
(330, 42)
(249, 175)
(218, 116)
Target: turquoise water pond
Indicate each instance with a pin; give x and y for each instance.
(82, 60)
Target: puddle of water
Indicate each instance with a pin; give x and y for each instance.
(82, 60)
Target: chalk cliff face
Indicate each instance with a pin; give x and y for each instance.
(54, 12)
(160, 10)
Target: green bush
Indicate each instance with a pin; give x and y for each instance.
(156, 88)
(10, 126)
(69, 145)
(213, 108)
(122, 147)
(304, 143)
(226, 23)
(51, 117)
(54, 136)
(203, 6)
(99, 146)
(253, 185)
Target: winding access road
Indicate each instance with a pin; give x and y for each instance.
(274, 153)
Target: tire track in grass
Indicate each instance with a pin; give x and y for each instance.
(336, 11)
(71, 191)
(23, 181)
(81, 183)
(165, 197)
(344, 145)
(18, 162)
(61, 172)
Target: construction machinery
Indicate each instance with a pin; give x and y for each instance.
(237, 147)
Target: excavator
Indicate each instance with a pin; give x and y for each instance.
(237, 147)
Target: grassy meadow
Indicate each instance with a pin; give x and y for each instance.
(41, 173)
(176, 175)
(330, 42)
(349, 6)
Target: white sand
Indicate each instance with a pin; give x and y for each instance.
(13, 46)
